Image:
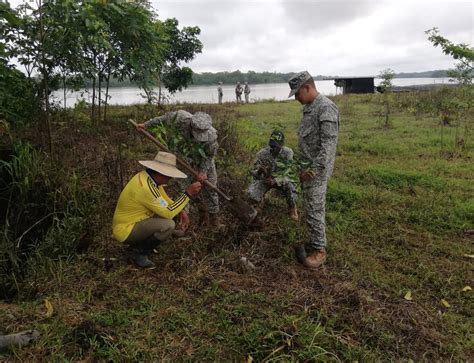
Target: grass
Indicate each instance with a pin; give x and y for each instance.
(398, 206)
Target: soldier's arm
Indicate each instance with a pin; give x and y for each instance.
(289, 155)
(329, 128)
(259, 167)
(165, 119)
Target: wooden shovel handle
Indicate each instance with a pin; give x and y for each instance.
(182, 162)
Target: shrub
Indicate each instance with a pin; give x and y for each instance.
(19, 100)
(45, 215)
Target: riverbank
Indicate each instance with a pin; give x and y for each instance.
(208, 94)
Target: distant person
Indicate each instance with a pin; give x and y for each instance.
(198, 129)
(264, 169)
(317, 136)
(220, 93)
(247, 92)
(144, 213)
(238, 92)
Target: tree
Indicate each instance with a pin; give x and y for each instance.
(18, 100)
(386, 85)
(461, 52)
(179, 46)
(182, 46)
(386, 75)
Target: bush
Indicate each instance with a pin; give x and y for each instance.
(45, 215)
(19, 100)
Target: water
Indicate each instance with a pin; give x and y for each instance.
(208, 94)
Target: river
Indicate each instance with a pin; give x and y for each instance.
(208, 94)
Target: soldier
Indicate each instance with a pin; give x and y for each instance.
(247, 92)
(220, 93)
(317, 136)
(264, 168)
(238, 92)
(198, 128)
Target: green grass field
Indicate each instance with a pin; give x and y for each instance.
(400, 206)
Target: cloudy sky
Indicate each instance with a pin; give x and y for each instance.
(338, 37)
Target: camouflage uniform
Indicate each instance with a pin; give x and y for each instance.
(220, 93)
(317, 141)
(264, 159)
(197, 127)
(238, 92)
(247, 92)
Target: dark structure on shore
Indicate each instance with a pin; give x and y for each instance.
(355, 84)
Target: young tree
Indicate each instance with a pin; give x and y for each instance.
(179, 46)
(463, 53)
(386, 85)
(182, 46)
(18, 93)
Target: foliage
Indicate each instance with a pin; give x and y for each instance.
(461, 52)
(44, 212)
(462, 73)
(174, 140)
(290, 168)
(182, 46)
(18, 94)
(208, 78)
(397, 211)
(385, 86)
(386, 75)
(68, 42)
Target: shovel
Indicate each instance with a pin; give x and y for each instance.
(239, 208)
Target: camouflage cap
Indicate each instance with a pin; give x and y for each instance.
(277, 138)
(297, 81)
(201, 123)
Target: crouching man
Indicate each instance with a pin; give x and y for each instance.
(264, 169)
(144, 213)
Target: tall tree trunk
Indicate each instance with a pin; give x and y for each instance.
(159, 90)
(99, 100)
(64, 91)
(45, 87)
(93, 100)
(106, 95)
(93, 90)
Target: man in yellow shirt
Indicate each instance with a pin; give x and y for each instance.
(144, 213)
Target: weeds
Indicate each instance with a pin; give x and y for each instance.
(397, 210)
(43, 218)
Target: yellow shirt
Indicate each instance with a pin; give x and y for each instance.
(141, 199)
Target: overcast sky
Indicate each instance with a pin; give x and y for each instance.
(337, 37)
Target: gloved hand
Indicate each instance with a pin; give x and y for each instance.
(307, 175)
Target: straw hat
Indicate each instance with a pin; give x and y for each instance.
(164, 163)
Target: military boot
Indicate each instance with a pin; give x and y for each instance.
(316, 259)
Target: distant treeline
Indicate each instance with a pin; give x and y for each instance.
(208, 78)
(427, 74)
